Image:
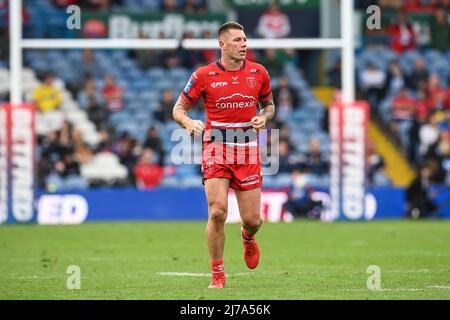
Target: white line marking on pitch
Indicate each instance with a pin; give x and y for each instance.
(189, 274)
(183, 274)
(383, 290)
(36, 277)
(439, 287)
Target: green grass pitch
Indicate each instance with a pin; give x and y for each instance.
(302, 260)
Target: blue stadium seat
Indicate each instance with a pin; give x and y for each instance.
(156, 73)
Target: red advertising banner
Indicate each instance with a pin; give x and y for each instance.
(348, 134)
(4, 176)
(18, 162)
(271, 207)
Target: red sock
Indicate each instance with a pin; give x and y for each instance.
(246, 235)
(217, 267)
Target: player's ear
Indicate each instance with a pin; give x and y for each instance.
(221, 43)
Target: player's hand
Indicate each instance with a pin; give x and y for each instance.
(195, 127)
(259, 122)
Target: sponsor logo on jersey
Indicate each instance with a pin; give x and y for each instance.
(251, 81)
(219, 84)
(235, 78)
(236, 101)
(250, 180)
(189, 84)
(212, 73)
(254, 71)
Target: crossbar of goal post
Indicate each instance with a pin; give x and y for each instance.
(17, 44)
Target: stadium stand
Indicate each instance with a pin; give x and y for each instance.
(408, 86)
(113, 139)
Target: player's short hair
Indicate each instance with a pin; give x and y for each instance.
(229, 26)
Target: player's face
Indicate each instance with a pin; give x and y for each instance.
(234, 44)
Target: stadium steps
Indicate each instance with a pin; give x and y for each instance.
(397, 166)
(324, 94)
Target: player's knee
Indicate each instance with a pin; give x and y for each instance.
(252, 223)
(218, 213)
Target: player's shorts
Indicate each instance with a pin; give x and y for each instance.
(240, 164)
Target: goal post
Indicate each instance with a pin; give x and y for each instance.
(345, 43)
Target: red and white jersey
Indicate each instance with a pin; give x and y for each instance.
(230, 97)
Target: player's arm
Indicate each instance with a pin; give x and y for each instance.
(266, 114)
(268, 109)
(179, 114)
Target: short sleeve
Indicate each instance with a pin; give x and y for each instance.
(266, 92)
(193, 89)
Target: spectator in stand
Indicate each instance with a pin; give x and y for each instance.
(89, 96)
(390, 4)
(285, 132)
(422, 109)
(64, 3)
(419, 5)
(403, 106)
(300, 203)
(98, 5)
(373, 81)
(317, 162)
(171, 59)
(402, 34)
(414, 133)
(50, 146)
(334, 75)
(66, 175)
(419, 76)
(436, 95)
(286, 98)
(92, 101)
(105, 144)
(82, 152)
(403, 111)
(59, 167)
(447, 96)
(154, 142)
(285, 89)
(46, 96)
(377, 175)
(146, 58)
(428, 134)
(112, 94)
(286, 161)
(270, 60)
(169, 6)
(439, 151)
(395, 79)
(419, 201)
(147, 173)
(127, 149)
(45, 168)
(273, 23)
(194, 6)
(90, 67)
(189, 58)
(440, 31)
(66, 138)
(163, 111)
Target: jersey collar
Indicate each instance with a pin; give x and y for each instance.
(221, 67)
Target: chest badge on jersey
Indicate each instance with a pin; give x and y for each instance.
(251, 81)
